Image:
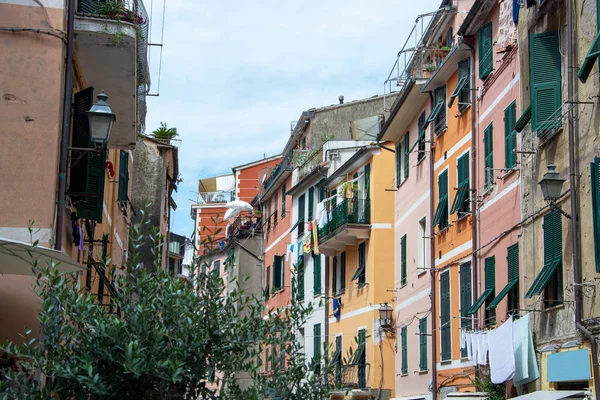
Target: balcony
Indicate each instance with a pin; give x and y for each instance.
(111, 40)
(215, 197)
(278, 175)
(348, 222)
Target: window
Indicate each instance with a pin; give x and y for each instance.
(486, 54)
(449, 37)
(421, 138)
(406, 153)
(545, 82)
(317, 275)
(549, 279)
(490, 284)
(339, 274)
(595, 186)
(403, 260)
(423, 344)
(512, 259)
(466, 298)
(337, 359)
(278, 273)
(488, 156)
(398, 164)
(510, 136)
(360, 358)
(267, 283)
(269, 215)
(441, 213)
(462, 196)
(123, 176)
(300, 215)
(445, 323)
(404, 340)
(317, 345)
(300, 277)
(275, 205)
(283, 193)
(311, 202)
(422, 256)
(360, 274)
(440, 118)
(304, 143)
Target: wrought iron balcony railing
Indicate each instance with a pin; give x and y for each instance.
(349, 211)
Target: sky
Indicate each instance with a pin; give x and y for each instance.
(235, 74)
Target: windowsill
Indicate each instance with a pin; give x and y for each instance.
(461, 112)
(423, 371)
(488, 190)
(553, 308)
(339, 293)
(441, 132)
(403, 285)
(446, 362)
(404, 374)
(421, 271)
(277, 291)
(402, 183)
(444, 230)
(547, 138)
(361, 285)
(421, 160)
(508, 173)
(462, 216)
(317, 295)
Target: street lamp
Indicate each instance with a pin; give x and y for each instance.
(385, 316)
(100, 118)
(551, 184)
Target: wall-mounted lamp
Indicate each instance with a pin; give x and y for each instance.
(101, 119)
(385, 317)
(552, 184)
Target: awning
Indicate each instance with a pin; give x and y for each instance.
(552, 395)
(16, 258)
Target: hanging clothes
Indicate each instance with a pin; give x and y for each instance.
(526, 367)
(289, 251)
(474, 346)
(482, 348)
(502, 356)
(315, 236)
(469, 345)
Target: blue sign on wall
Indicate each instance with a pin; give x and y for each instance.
(569, 366)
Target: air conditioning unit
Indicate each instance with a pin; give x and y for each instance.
(334, 156)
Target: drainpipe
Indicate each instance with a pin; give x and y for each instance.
(326, 311)
(432, 270)
(66, 129)
(574, 200)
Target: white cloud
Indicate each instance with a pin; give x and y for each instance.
(235, 74)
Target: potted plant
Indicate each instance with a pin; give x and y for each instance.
(348, 190)
(164, 132)
(430, 67)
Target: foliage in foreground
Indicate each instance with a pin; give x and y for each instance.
(167, 337)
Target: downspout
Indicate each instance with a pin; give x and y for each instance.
(66, 129)
(573, 126)
(326, 310)
(432, 270)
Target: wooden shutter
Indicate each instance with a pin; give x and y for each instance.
(510, 136)
(80, 137)
(488, 146)
(317, 274)
(404, 340)
(423, 344)
(486, 56)
(403, 260)
(440, 118)
(123, 175)
(317, 340)
(446, 348)
(343, 271)
(367, 180)
(552, 237)
(545, 77)
(301, 215)
(406, 153)
(443, 198)
(334, 276)
(311, 202)
(268, 282)
(595, 186)
(277, 273)
(490, 273)
(398, 164)
(512, 259)
(466, 294)
(91, 207)
(283, 193)
(362, 261)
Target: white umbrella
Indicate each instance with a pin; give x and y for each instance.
(239, 205)
(16, 258)
(232, 212)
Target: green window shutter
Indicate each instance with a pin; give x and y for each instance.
(545, 77)
(317, 341)
(440, 117)
(441, 214)
(490, 273)
(423, 344)
(595, 185)
(434, 113)
(80, 137)
(486, 54)
(91, 207)
(403, 260)
(334, 276)
(590, 59)
(466, 294)
(445, 327)
(301, 215)
(277, 273)
(461, 199)
(317, 274)
(123, 175)
(300, 270)
(343, 271)
(488, 155)
(268, 283)
(404, 340)
(311, 202)
(367, 180)
(512, 261)
(267, 355)
(283, 193)
(398, 164)
(510, 136)
(360, 274)
(406, 153)
(552, 252)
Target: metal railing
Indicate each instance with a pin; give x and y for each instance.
(215, 197)
(354, 376)
(349, 211)
(134, 12)
(245, 225)
(284, 165)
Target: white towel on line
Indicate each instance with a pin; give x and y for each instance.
(502, 356)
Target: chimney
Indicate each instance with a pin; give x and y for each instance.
(341, 99)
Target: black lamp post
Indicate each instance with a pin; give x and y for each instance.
(101, 119)
(552, 184)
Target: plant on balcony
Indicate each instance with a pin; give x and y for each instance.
(171, 337)
(348, 190)
(164, 132)
(115, 9)
(429, 67)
